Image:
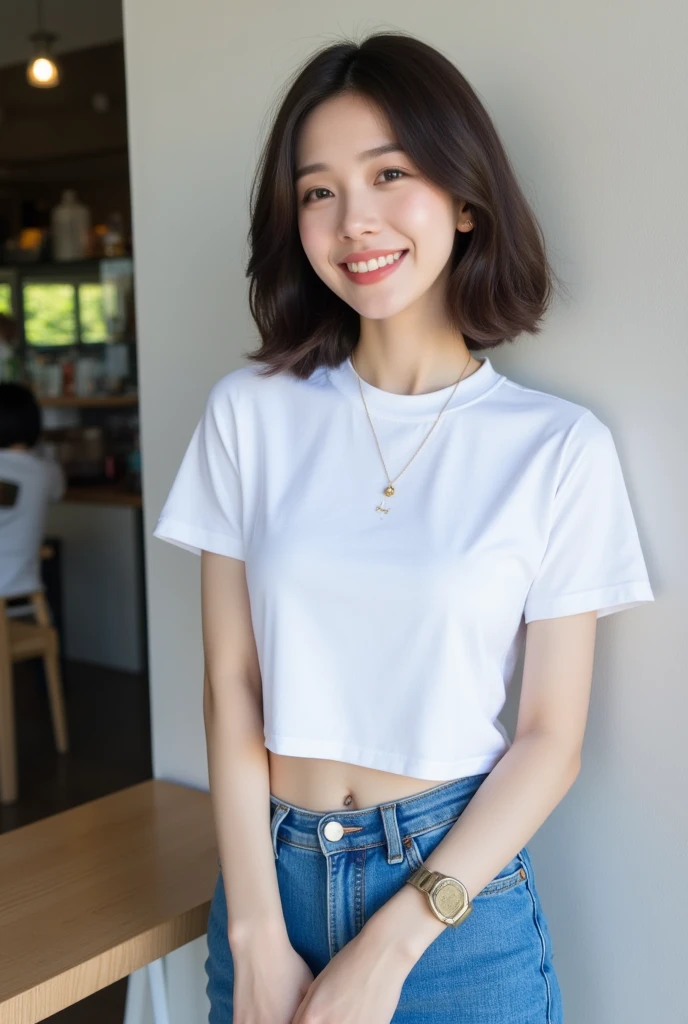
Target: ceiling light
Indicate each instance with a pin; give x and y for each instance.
(42, 71)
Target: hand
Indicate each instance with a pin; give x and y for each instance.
(269, 984)
(356, 986)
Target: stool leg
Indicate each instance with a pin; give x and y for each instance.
(41, 608)
(8, 741)
(55, 695)
(156, 976)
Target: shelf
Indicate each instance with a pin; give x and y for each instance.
(88, 402)
(102, 494)
(58, 266)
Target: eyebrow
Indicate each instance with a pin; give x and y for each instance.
(368, 154)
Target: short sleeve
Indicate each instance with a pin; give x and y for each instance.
(56, 480)
(593, 558)
(203, 511)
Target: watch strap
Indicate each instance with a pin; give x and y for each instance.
(424, 879)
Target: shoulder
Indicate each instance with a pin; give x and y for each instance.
(234, 384)
(249, 388)
(30, 465)
(571, 423)
(22, 463)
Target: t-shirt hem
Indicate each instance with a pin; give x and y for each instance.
(195, 539)
(606, 600)
(398, 764)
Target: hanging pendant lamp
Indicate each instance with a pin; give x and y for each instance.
(42, 70)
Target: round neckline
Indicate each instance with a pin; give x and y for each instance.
(422, 406)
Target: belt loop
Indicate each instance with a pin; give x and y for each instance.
(395, 854)
(278, 817)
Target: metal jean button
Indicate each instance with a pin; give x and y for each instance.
(333, 831)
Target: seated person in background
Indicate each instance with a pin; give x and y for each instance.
(28, 482)
(10, 368)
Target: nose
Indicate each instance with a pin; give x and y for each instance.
(358, 216)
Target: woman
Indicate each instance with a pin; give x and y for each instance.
(384, 520)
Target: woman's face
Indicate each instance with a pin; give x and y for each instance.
(355, 206)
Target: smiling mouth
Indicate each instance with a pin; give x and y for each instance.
(376, 273)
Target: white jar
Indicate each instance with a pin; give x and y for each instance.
(71, 226)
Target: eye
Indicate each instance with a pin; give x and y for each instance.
(312, 191)
(389, 170)
(394, 170)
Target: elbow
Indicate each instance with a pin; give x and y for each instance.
(570, 760)
(563, 757)
(575, 765)
(208, 701)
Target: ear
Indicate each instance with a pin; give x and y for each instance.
(464, 217)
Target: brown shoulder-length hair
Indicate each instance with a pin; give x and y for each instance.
(501, 282)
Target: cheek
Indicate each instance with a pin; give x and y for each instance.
(426, 215)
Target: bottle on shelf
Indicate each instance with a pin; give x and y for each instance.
(113, 239)
(71, 228)
(68, 374)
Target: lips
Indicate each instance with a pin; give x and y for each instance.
(372, 276)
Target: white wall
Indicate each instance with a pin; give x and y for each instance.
(591, 101)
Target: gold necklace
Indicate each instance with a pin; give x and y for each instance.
(389, 490)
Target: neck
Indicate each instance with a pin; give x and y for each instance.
(416, 351)
(405, 367)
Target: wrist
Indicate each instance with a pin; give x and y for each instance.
(404, 924)
(251, 933)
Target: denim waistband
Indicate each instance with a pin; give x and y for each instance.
(382, 825)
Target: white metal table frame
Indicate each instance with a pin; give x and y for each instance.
(135, 1006)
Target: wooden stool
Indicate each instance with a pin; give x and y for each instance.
(20, 641)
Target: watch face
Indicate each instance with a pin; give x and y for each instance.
(448, 897)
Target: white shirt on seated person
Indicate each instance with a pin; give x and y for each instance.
(39, 481)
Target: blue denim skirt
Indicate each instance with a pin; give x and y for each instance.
(493, 968)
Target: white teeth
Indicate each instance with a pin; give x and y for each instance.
(363, 267)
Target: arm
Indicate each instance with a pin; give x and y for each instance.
(57, 482)
(237, 758)
(522, 789)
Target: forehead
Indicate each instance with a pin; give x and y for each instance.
(339, 128)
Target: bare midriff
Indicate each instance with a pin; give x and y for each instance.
(319, 785)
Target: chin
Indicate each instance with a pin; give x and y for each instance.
(382, 309)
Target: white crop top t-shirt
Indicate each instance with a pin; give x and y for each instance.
(388, 639)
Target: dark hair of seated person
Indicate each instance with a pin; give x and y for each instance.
(20, 416)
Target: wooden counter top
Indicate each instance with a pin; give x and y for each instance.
(92, 894)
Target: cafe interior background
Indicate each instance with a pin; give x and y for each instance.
(68, 331)
(579, 146)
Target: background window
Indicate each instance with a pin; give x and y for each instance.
(92, 312)
(69, 313)
(6, 298)
(50, 314)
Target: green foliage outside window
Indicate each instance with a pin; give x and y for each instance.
(5, 298)
(91, 312)
(50, 313)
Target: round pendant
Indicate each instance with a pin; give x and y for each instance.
(389, 491)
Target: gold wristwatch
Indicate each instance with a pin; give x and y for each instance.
(447, 896)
